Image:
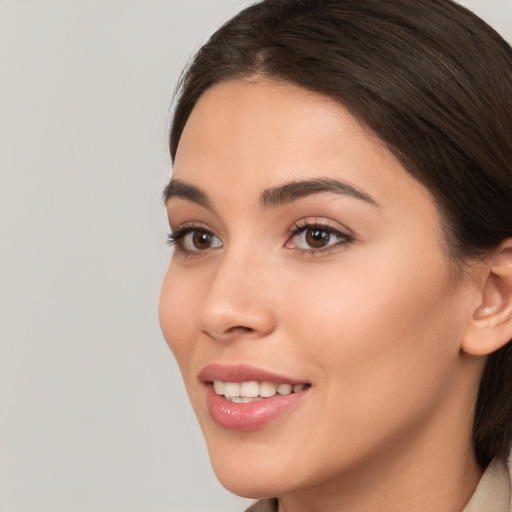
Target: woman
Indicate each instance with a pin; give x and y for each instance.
(339, 299)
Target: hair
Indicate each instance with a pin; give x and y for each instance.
(433, 82)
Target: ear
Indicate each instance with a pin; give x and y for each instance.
(491, 323)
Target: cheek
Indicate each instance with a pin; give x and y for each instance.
(384, 333)
(381, 348)
(176, 311)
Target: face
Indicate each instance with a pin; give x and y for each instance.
(309, 301)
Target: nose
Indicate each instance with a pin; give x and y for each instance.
(239, 302)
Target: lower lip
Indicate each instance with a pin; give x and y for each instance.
(251, 416)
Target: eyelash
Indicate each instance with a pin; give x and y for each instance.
(303, 226)
(176, 238)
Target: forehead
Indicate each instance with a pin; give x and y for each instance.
(243, 116)
(248, 136)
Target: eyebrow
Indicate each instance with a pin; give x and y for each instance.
(182, 190)
(272, 197)
(293, 190)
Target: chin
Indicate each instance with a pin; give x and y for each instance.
(251, 471)
(249, 484)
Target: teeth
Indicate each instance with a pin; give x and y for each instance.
(284, 389)
(231, 389)
(246, 392)
(249, 389)
(267, 389)
(219, 387)
(242, 400)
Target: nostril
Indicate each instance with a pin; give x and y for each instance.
(232, 333)
(240, 329)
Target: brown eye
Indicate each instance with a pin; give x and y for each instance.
(194, 240)
(201, 240)
(317, 238)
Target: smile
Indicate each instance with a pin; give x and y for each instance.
(242, 397)
(251, 391)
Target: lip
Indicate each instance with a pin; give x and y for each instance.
(253, 415)
(243, 373)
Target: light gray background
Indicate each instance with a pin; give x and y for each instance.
(93, 415)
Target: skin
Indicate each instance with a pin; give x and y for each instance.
(375, 322)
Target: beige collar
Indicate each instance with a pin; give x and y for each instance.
(493, 491)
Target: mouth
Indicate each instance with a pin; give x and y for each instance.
(253, 391)
(246, 398)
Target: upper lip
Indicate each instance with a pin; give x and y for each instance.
(243, 373)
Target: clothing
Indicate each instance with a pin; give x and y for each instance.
(493, 493)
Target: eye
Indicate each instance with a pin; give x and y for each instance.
(316, 238)
(190, 239)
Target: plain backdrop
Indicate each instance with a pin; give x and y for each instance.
(93, 413)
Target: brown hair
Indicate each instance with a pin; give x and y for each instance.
(433, 81)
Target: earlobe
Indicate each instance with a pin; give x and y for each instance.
(491, 323)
